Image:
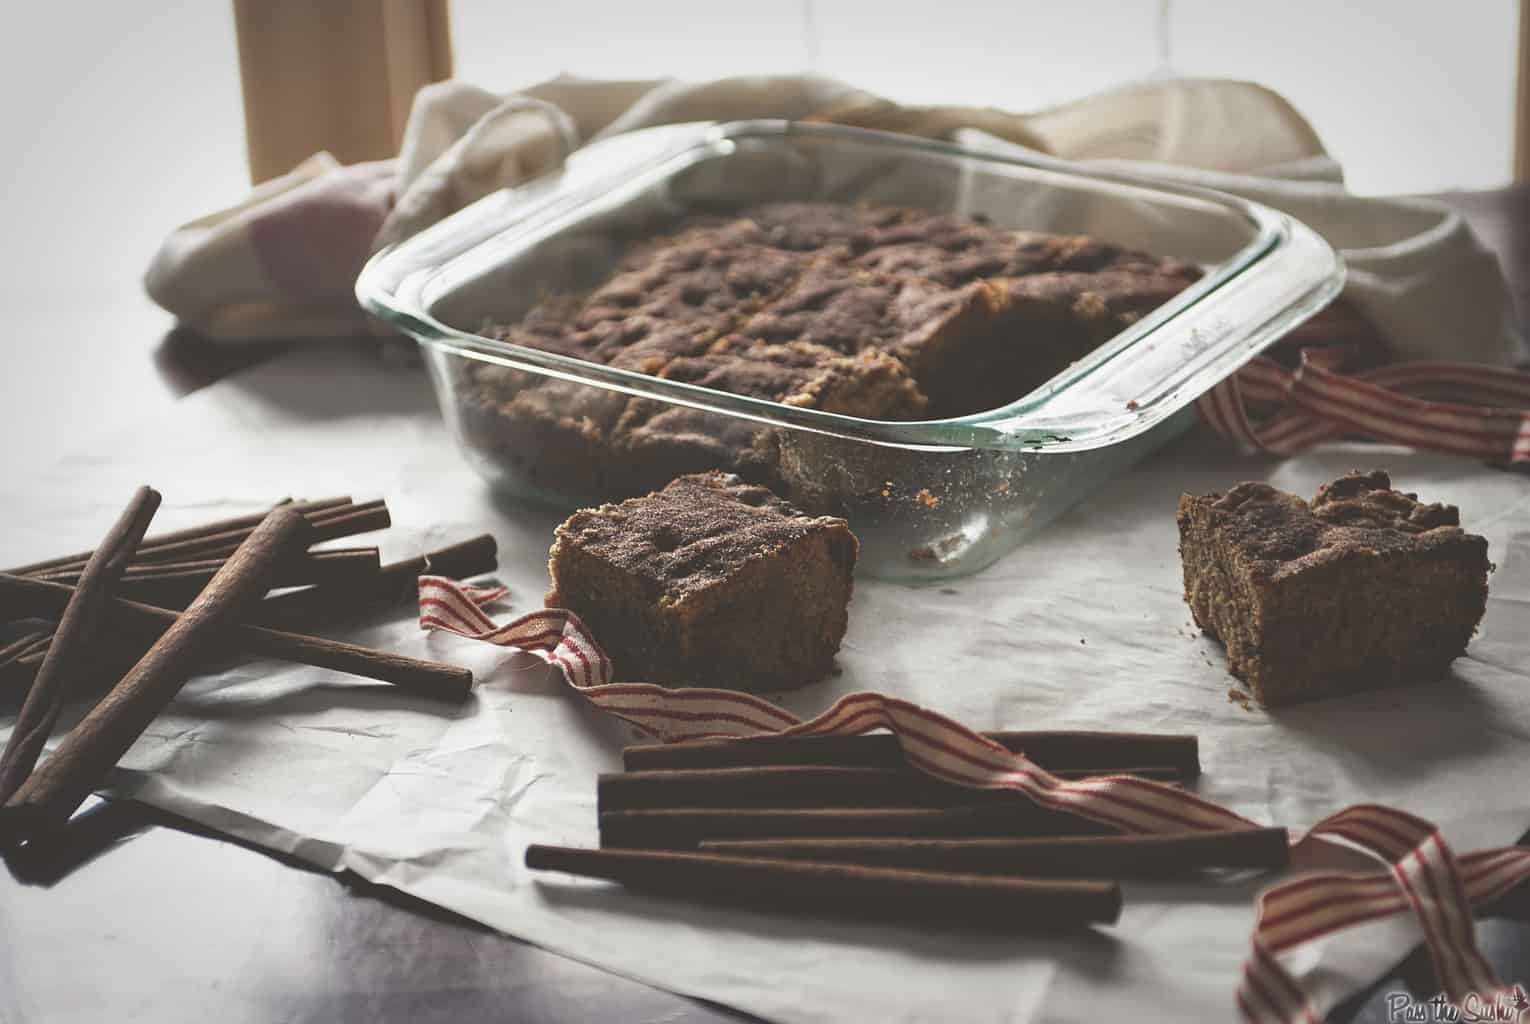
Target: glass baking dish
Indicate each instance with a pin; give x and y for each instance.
(929, 499)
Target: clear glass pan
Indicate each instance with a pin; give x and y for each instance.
(929, 499)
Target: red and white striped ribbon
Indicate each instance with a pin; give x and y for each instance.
(1482, 412)
(1421, 875)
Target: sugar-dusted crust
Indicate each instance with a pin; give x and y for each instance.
(710, 581)
(870, 385)
(1367, 500)
(713, 276)
(812, 227)
(833, 304)
(954, 252)
(1101, 303)
(1277, 535)
(928, 315)
(691, 535)
(1365, 586)
(654, 441)
(935, 330)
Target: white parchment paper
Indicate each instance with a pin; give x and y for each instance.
(1084, 627)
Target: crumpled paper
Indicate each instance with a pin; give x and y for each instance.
(1082, 627)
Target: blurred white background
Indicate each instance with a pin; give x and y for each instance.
(124, 119)
(1409, 96)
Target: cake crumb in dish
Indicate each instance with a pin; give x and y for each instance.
(938, 551)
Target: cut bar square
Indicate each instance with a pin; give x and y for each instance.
(1364, 587)
(708, 582)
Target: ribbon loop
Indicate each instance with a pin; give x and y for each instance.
(1481, 412)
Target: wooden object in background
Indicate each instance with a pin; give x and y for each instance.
(1522, 97)
(338, 75)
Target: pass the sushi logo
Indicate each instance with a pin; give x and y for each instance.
(1511, 1007)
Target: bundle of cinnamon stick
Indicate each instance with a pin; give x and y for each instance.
(844, 824)
(149, 612)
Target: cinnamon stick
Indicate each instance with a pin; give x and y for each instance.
(77, 627)
(18, 674)
(885, 894)
(394, 583)
(315, 605)
(349, 520)
(78, 560)
(1066, 749)
(24, 644)
(51, 794)
(327, 565)
(1067, 857)
(791, 786)
(19, 663)
(325, 524)
(426, 678)
(338, 565)
(138, 623)
(680, 829)
(37, 650)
